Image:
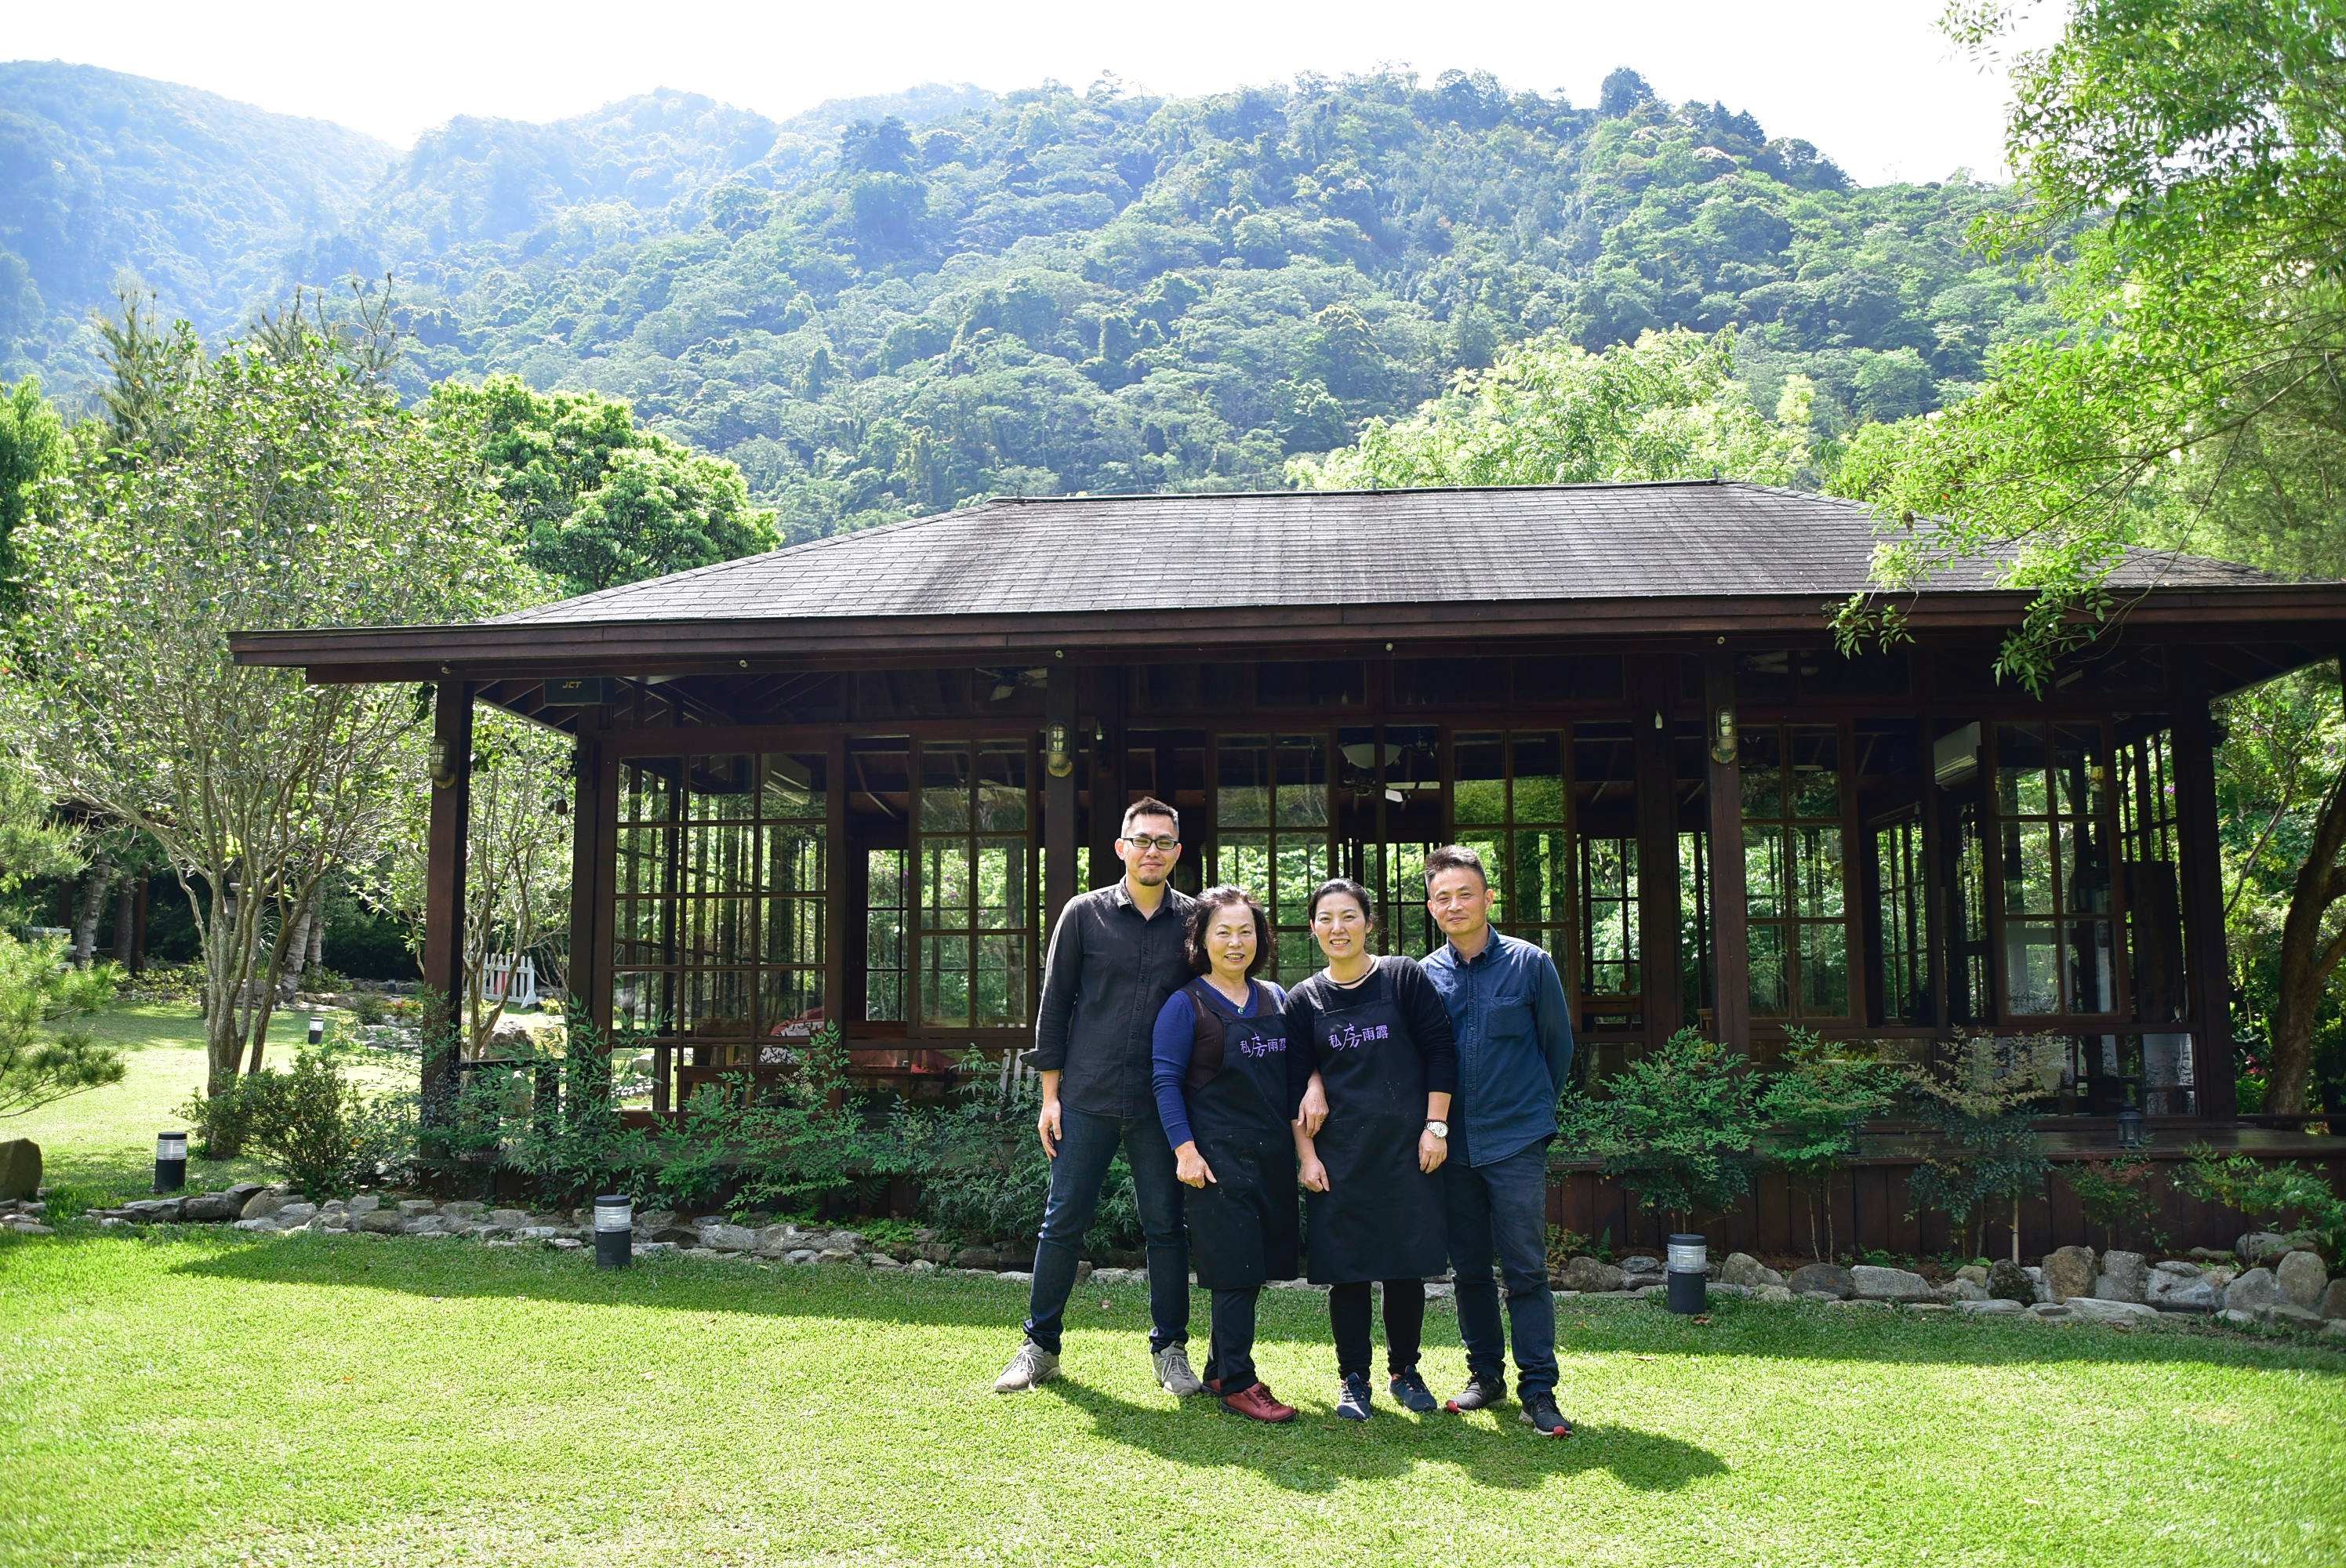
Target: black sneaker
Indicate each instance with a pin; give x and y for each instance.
(1354, 1405)
(1541, 1415)
(1411, 1391)
(1479, 1394)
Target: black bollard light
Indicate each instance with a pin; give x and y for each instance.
(171, 1161)
(615, 1231)
(317, 1030)
(1690, 1275)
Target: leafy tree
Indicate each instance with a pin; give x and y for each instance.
(1666, 407)
(1979, 1096)
(599, 500)
(1677, 1127)
(40, 1062)
(1819, 1094)
(32, 449)
(2117, 1196)
(35, 845)
(290, 492)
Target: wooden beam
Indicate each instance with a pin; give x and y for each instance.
(1730, 939)
(2206, 966)
(444, 891)
(1059, 799)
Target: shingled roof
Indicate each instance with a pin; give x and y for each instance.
(1704, 539)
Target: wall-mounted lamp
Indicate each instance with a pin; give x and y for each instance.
(443, 772)
(1058, 750)
(1722, 735)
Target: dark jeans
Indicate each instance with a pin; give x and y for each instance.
(1348, 1314)
(1501, 1210)
(1087, 1145)
(1232, 1357)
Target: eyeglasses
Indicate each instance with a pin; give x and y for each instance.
(1165, 843)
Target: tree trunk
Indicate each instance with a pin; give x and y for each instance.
(126, 920)
(317, 957)
(95, 884)
(295, 948)
(2306, 960)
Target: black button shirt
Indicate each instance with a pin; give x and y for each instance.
(1108, 972)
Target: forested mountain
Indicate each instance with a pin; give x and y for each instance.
(895, 306)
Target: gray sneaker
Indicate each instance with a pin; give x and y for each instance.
(1173, 1373)
(1030, 1368)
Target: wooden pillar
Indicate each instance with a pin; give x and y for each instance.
(839, 910)
(588, 979)
(1059, 796)
(2206, 962)
(443, 891)
(1657, 865)
(1730, 942)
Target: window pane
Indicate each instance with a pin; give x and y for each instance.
(717, 859)
(945, 789)
(1816, 773)
(642, 1004)
(1243, 859)
(1000, 882)
(713, 931)
(643, 865)
(793, 789)
(1824, 968)
(2032, 961)
(1539, 777)
(1301, 868)
(1478, 795)
(1769, 997)
(1242, 798)
(945, 885)
(1001, 786)
(721, 788)
(794, 858)
(1002, 979)
(1821, 870)
(793, 933)
(790, 1002)
(2085, 869)
(1302, 765)
(2020, 769)
(2028, 868)
(2081, 776)
(1491, 847)
(945, 979)
(1541, 886)
(713, 1003)
(647, 789)
(1760, 753)
(2093, 978)
(1766, 887)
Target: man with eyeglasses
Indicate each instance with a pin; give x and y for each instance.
(1116, 954)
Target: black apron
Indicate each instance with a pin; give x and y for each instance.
(1242, 1224)
(1381, 1217)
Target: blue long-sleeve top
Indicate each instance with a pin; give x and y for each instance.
(1175, 1035)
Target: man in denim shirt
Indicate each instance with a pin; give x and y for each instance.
(1514, 1046)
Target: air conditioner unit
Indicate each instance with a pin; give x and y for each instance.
(1955, 757)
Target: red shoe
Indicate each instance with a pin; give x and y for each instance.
(1255, 1403)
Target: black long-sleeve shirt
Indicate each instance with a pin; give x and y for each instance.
(1403, 981)
(1107, 975)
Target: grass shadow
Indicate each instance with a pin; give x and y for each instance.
(1317, 1452)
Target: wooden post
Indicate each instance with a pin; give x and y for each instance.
(1730, 942)
(588, 977)
(1658, 866)
(1060, 796)
(838, 911)
(444, 891)
(2206, 962)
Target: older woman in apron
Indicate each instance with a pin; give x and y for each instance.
(1220, 1068)
(1375, 1033)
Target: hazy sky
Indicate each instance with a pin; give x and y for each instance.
(1870, 81)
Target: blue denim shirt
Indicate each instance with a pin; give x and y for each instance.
(1515, 1043)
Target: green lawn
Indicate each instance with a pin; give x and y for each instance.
(105, 1137)
(213, 1397)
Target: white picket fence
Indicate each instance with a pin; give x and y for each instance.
(510, 979)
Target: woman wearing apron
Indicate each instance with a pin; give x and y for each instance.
(1375, 1032)
(1220, 1068)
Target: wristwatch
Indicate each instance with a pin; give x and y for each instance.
(1439, 1129)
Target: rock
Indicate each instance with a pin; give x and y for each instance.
(1991, 1307)
(2036, 1283)
(2125, 1276)
(1822, 1279)
(2258, 1248)
(364, 1202)
(1977, 1273)
(2239, 1319)
(153, 1210)
(653, 1218)
(2221, 1274)
(261, 1204)
(2049, 1309)
(260, 1222)
(2211, 1255)
(1771, 1293)
(1960, 1290)
(2007, 1281)
(565, 1244)
(2101, 1309)
(1587, 1275)
(20, 1168)
(412, 1206)
(2252, 1292)
(18, 1225)
(2177, 1267)
(1864, 1301)
(510, 1218)
(836, 1255)
(775, 1240)
(464, 1208)
(421, 1224)
(298, 1213)
(2302, 1278)
(1877, 1284)
(1633, 1266)
(210, 1207)
(2333, 1300)
(729, 1238)
(677, 1235)
(1742, 1269)
(2069, 1271)
(381, 1222)
(2293, 1316)
(1929, 1307)
(935, 1252)
(2183, 1293)
(986, 1258)
(654, 1249)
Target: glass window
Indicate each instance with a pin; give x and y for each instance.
(1271, 831)
(975, 913)
(1795, 879)
(2058, 903)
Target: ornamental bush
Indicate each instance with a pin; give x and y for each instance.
(1679, 1126)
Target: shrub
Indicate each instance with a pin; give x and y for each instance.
(324, 1133)
(984, 1174)
(2278, 1195)
(2116, 1196)
(1812, 1108)
(46, 1052)
(1979, 1098)
(369, 1008)
(1677, 1127)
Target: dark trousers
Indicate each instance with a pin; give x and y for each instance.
(1499, 1211)
(1230, 1356)
(1087, 1145)
(1348, 1314)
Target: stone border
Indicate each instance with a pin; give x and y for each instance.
(2291, 1289)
